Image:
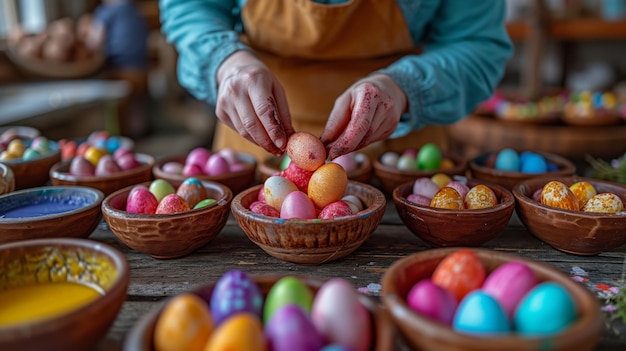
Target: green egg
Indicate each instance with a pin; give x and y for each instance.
(161, 188)
(284, 162)
(30, 154)
(288, 290)
(204, 203)
(429, 157)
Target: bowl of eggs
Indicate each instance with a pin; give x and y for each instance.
(59, 294)
(165, 221)
(234, 169)
(446, 212)
(509, 167)
(312, 213)
(287, 312)
(393, 168)
(478, 299)
(7, 179)
(49, 212)
(30, 160)
(577, 215)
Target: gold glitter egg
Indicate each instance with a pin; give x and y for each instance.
(604, 203)
(556, 194)
(583, 191)
(448, 198)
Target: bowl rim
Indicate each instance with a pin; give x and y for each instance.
(524, 200)
(567, 166)
(98, 195)
(460, 166)
(396, 304)
(146, 160)
(5, 171)
(246, 158)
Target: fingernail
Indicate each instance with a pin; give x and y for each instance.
(280, 143)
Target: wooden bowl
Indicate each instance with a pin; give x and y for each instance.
(441, 227)
(508, 180)
(311, 241)
(391, 177)
(34, 172)
(140, 336)
(422, 333)
(7, 179)
(60, 175)
(78, 218)
(39, 67)
(236, 181)
(83, 261)
(575, 232)
(167, 236)
(362, 174)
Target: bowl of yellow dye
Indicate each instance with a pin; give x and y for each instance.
(59, 294)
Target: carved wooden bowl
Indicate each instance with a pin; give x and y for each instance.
(78, 220)
(362, 173)
(575, 232)
(173, 235)
(311, 241)
(422, 333)
(46, 261)
(60, 175)
(34, 172)
(445, 227)
(7, 179)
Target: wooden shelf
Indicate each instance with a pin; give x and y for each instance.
(574, 30)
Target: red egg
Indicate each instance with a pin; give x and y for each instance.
(334, 210)
(141, 200)
(172, 203)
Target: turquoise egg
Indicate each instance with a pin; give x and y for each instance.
(507, 160)
(480, 313)
(546, 309)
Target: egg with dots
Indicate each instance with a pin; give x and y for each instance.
(306, 151)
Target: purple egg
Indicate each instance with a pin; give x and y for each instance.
(235, 292)
(290, 328)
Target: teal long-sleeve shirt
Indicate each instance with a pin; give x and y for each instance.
(465, 49)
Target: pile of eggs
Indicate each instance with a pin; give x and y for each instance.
(427, 158)
(461, 293)
(509, 160)
(160, 197)
(580, 196)
(309, 187)
(350, 161)
(441, 191)
(16, 148)
(201, 161)
(291, 317)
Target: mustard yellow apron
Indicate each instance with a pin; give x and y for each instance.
(317, 51)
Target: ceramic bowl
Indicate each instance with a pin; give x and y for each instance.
(46, 261)
(140, 337)
(362, 173)
(7, 179)
(34, 172)
(391, 177)
(49, 212)
(236, 181)
(445, 227)
(311, 241)
(166, 236)
(508, 180)
(575, 232)
(60, 175)
(422, 333)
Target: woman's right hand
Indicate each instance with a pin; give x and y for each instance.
(251, 101)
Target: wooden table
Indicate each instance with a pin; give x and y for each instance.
(152, 280)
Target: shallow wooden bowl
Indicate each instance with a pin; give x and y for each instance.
(362, 174)
(60, 175)
(422, 333)
(78, 222)
(508, 180)
(84, 261)
(34, 172)
(7, 179)
(140, 337)
(236, 181)
(575, 232)
(39, 67)
(446, 227)
(167, 236)
(311, 241)
(391, 177)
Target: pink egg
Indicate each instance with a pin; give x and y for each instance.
(433, 301)
(347, 161)
(230, 155)
(419, 199)
(334, 210)
(192, 170)
(216, 165)
(198, 156)
(509, 283)
(141, 200)
(172, 167)
(297, 205)
(425, 186)
(461, 188)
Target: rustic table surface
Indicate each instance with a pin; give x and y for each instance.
(152, 280)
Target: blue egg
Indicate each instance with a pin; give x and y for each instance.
(552, 167)
(547, 309)
(112, 144)
(480, 313)
(533, 163)
(334, 347)
(507, 160)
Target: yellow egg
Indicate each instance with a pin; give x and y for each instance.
(441, 179)
(583, 191)
(604, 203)
(6, 155)
(557, 194)
(16, 147)
(93, 154)
(327, 184)
(184, 324)
(242, 331)
(480, 196)
(448, 198)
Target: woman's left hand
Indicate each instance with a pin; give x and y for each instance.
(367, 112)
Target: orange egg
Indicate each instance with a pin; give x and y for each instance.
(448, 198)
(446, 163)
(559, 195)
(604, 203)
(306, 151)
(242, 331)
(184, 324)
(441, 179)
(327, 184)
(480, 196)
(583, 191)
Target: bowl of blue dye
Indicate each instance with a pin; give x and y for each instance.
(49, 212)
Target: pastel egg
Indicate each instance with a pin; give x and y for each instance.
(290, 328)
(583, 191)
(297, 205)
(604, 203)
(480, 196)
(306, 150)
(234, 293)
(480, 313)
(509, 283)
(447, 198)
(559, 195)
(285, 291)
(192, 191)
(276, 188)
(546, 309)
(441, 179)
(425, 186)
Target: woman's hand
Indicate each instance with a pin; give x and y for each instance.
(367, 112)
(251, 101)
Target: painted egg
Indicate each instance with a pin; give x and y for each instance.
(461, 187)
(532, 163)
(192, 191)
(172, 203)
(216, 165)
(447, 198)
(557, 194)
(141, 201)
(234, 293)
(327, 184)
(433, 301)
(275, 189)
(355, 203)
(460, 272)
(509, 283)
(204, 203)
(389, 159)
(406, 162)
(335, 210)
(604, 203)
(347, 161)
(306, 150)
(298, 176)
(425, 186)
(428, 157)
(480, 313)
(583, 191)
(183, 313)
(507, 160)
(419, 199)
(160, 188)
(480, 196)
(546, 309)
(242, 331)
(297, 205)
(290, 328)
(285, 291)
(441, 179)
